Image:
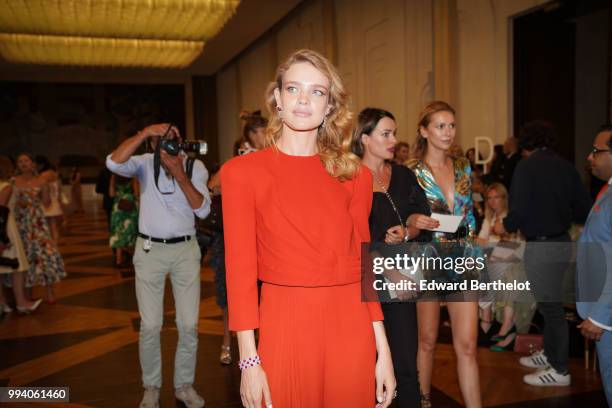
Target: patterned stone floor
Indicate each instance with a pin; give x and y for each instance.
(88, 341)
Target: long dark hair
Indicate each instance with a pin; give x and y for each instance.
(366, 123)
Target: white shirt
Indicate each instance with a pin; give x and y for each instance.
(164, 215)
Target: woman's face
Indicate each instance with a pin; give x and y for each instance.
(258, 137)
(381, 142)
(440, 133)
(402, 154)
(496, 200)
(25, 164)
(304, 97)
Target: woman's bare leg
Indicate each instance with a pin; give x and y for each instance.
(50, 294)
(21, 298)
(508, 319)
(486, 319)
(428, 317)
(464, 321)
(54, 228)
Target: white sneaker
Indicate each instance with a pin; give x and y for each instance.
(535, 360)
(548, 377)
(150, 399)
(188, 396)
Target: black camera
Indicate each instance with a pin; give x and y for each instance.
(173, 146)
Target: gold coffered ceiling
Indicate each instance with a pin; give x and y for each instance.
(116, 33)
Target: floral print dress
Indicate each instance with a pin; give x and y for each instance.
(45, 262)
(463, 204)
(461, 243)
(124, 223)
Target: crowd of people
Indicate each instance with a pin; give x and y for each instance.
(32, 213)
(276, 205)
(284, 221)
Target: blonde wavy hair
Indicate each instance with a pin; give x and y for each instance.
(501, 190)
(334, 135)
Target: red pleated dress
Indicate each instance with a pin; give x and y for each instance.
(290, 224)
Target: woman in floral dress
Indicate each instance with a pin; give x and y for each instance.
(13, 277)
(124, 216)
(31, 193)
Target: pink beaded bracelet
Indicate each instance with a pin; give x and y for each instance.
(249, 362)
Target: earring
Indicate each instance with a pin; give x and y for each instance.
(324, 119)
(279, 111)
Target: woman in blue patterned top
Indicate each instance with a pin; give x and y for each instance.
(447, 186)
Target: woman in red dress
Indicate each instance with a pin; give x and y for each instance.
(295, 214)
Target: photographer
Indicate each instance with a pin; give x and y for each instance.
(169, 198)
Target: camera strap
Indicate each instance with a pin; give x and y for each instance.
(156, 168)
(189, 166)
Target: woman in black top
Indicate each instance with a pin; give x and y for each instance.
(399, 213)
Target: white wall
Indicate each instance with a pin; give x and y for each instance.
(485, 67)
(385, 53)
(227, 110)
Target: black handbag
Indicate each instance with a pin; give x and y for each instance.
(214, 221)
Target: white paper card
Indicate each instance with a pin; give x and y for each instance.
(448, 223)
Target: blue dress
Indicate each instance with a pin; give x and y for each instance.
(462, 242)
(463, 204)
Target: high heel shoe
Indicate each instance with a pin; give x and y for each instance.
(501, 337)
(4, 308)
(225, 357)
(31, 309)
(507, 347)
(425, 400)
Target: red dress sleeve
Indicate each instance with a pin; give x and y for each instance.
(239, 228)
(360, 207)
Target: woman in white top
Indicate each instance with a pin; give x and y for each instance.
(53, 211)
(14, 248)
(496, 209)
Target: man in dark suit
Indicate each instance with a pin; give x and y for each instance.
(546, 197)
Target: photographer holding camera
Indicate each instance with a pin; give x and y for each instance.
(166, 244)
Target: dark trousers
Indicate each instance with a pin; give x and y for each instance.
(109, 212)
(546, 264)
(401, 328)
